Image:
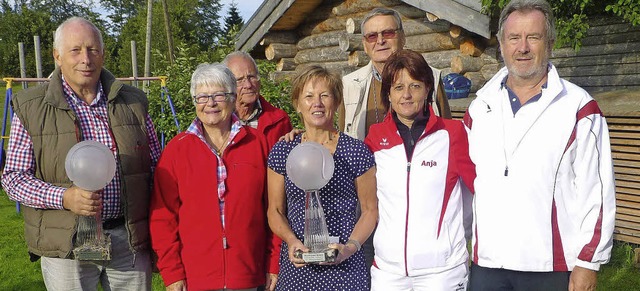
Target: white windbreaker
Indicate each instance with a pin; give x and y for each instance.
(420, 198)
(545, 194)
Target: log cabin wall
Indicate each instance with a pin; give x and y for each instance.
(608, 60)
(330, 36)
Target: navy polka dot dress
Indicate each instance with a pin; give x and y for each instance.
(339, 200)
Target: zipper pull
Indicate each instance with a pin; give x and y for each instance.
(408, 166)
(224, 242)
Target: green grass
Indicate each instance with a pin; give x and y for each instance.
(16, 271)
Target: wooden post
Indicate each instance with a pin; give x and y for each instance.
(134, 62)
(276, 51)
(23, 65)
(350, 42)
(636, 257)
(36, 44)
(147, 50)
(167, 28)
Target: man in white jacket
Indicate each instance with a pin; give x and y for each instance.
(544, 206)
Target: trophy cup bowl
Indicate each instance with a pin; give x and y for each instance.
(310, 167)
(90, 165)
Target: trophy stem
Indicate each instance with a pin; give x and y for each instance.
(316, 234)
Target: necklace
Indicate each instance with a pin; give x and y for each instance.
(332, 135)
(220, 150)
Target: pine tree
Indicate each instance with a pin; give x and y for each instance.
(233, 18)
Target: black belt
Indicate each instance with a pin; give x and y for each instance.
(113, 223)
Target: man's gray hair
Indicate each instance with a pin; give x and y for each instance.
(210, 75)
(240, 54)
(381, 11)
(58, 37)
(530, 5)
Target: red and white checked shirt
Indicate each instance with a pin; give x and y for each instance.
(18, 178)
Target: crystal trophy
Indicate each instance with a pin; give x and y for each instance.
(91, 166)
(310, 167)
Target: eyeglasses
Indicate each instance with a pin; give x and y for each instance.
(386, 34)
(217, 97)
(250, 78)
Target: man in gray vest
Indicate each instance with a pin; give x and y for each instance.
(82, 101)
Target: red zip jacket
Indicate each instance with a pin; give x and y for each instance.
(186, 229)
(273, 122)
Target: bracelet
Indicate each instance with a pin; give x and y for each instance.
(355, 243)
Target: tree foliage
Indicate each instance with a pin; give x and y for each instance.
(233, 20)
(572, 16)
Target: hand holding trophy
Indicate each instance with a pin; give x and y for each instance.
(310, 167)
(90, 165)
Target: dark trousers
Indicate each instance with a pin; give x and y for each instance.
(489, 279)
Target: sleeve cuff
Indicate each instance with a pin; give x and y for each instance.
(588, 265)
(56, 195)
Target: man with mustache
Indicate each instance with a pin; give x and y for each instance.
(83, 101)
(251, 107)
(544, 206)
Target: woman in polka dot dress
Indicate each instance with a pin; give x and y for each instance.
(316, 94)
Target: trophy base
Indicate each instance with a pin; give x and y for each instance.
(326, 256)
(94, 251)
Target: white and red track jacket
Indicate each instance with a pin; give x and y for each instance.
(420, 204)
(545, 193)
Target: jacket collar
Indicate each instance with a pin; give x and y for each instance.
(54, 95)
(489, 92)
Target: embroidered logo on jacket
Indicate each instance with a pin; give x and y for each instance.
(429, 164)
(384, 142)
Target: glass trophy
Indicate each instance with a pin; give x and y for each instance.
(91, 243)
(91, 166)
(310, 167)
(316, 234)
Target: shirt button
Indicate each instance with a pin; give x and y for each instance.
(514, 99)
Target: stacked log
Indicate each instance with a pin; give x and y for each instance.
(286, 64)
(283, 37)
(325, 39)
(358, 59)
(350, 42)
(462, 64)
(336, 42)
(277, 51)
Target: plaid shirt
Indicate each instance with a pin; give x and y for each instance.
(196, 129)
(18, 178)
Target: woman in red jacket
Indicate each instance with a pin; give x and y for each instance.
(208, 210)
